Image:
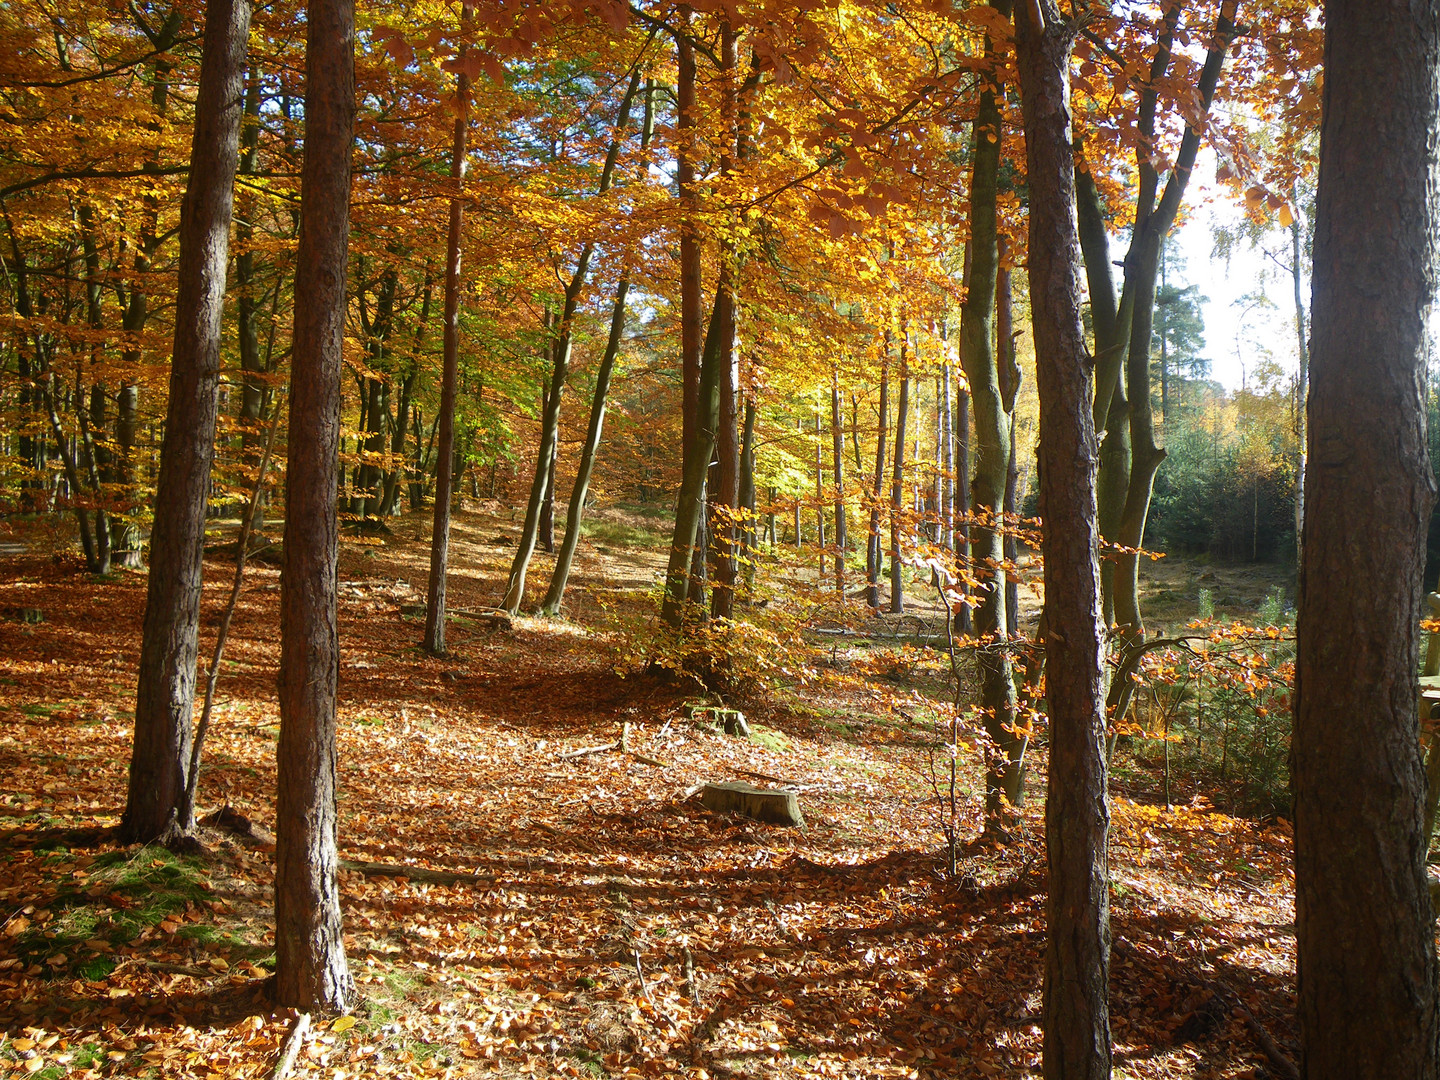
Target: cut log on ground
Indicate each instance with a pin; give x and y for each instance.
(775, 807)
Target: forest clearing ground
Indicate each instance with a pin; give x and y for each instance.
(832, 950)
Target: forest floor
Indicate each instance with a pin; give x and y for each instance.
(586, 917)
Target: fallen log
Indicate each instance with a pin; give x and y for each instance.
(775, 807)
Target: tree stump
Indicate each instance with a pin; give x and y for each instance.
(762, 804)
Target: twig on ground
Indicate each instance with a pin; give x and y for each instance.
(416, 873)
(290, 1048)
(692, 986)
(640, 972)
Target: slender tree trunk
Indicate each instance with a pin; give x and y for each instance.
(837, 436)
(546, 539)
(155, 804)
(897, 482)
(690, 505)
(550, 417)
(575, 511)
(874, 557)
(691, 313)
(1077, 814)
(125, 540)
(1110, 319)
(1005, 763)
(1152, 226)
(1009, 378)
(1302, 386)
(450, 366)
(819, 498)
(1365, 928)
(747, 492)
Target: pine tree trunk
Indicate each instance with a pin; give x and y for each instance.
(1077, 814)
(1365, 928)
(155, 805)
(311, 973)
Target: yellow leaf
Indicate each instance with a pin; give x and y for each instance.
(35, 1064)
(1287, 218)
(23, 1044)
(343, 1023)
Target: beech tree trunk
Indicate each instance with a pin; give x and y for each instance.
(874, 552)
(311, 973)
(575, 510)
(1152, 225)
(560, 373)
(837, 437)
(1004, 768)
(1365, 928)
(1009, 372)
(897, 482)
(449, 370)
(156, 805)
(690, 504)
(1077, 813)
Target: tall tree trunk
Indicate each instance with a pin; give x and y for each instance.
(125, 540)
(724, 497)
(1364, 926)
(248, 303)
(1077, 814)
(1110, 318)
(1302, 385)
(156, 805)
(962, 492)
(874, 558)
(691, 313)
(837, 437)
(97, 460)
(450, 366)
(574, 512)
(560, 372)
(690, 504)
(1009, 373)
(310, 968)
(1152, 225)
(819, 498)
(897, 482)
(546, 537)
(1005, 768)
(747, 491)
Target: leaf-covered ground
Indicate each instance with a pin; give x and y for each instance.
(589, 919)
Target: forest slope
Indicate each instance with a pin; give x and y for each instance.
(589, 920)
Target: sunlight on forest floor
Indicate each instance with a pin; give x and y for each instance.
(554, 943)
